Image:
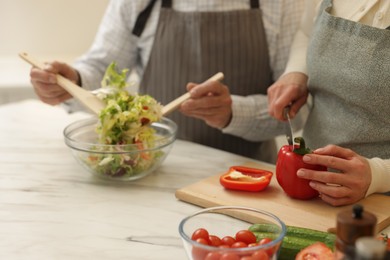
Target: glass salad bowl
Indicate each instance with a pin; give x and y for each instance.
(232, 232)
(126, 162)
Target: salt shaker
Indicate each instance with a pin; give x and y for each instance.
(370, 248)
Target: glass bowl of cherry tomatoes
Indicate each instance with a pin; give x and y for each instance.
(223, 233)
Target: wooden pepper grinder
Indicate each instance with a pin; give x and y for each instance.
(352, 224)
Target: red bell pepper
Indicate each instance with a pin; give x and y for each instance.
(289, 161)
(245, 178)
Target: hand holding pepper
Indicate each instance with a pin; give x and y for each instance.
(347, 186)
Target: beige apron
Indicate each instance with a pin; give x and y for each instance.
(191, 47)
(349, 78)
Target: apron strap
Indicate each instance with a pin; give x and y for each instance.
(255, 4)
(142, 19)
(166, 3)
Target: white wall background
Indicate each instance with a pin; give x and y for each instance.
(47, 29)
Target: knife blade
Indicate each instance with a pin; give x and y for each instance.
(289, 130)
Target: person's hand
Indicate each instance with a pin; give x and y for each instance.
(210, 101)
(348, 185)
(289, 89)
(45, 82)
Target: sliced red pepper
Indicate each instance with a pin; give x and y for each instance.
(246, 184)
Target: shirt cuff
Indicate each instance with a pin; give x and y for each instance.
(87, 78)
(380, 176)
(242, 116)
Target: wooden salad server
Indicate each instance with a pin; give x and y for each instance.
(176, 103)
(88, 99)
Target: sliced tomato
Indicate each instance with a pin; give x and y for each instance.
(316, 251)
(255, 180)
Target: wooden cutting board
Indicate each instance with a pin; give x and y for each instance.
(314, 214)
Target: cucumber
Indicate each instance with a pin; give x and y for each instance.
(264, 227)
(292, 231)
(261, 235)
(290, 245)
(311, 234)
(295, 240)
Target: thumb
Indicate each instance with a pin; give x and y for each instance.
(64, 70)
(190, 86)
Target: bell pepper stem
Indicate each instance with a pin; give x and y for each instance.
(302, 149)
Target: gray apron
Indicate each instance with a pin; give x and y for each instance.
(349, 79)
(191, 47)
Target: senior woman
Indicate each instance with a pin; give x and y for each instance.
(341, 58)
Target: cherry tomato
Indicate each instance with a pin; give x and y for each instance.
(239, 244)
(200, 233)
(229, 256)
(213, 256)
(214, 240)
(260, 255)
(197, 252)
(246, 258)
(228, 240)
(270, 251)
(265, 241)
(202, 241)
(246, 236)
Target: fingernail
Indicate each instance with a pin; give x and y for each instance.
(192, 92)
(312, 184)
(306, 158)
(300, 173)
(319, 150)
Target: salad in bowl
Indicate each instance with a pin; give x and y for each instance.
(128, 140)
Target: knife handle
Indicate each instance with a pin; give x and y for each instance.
(286, 112)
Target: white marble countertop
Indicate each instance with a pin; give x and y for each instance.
(51, 208)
